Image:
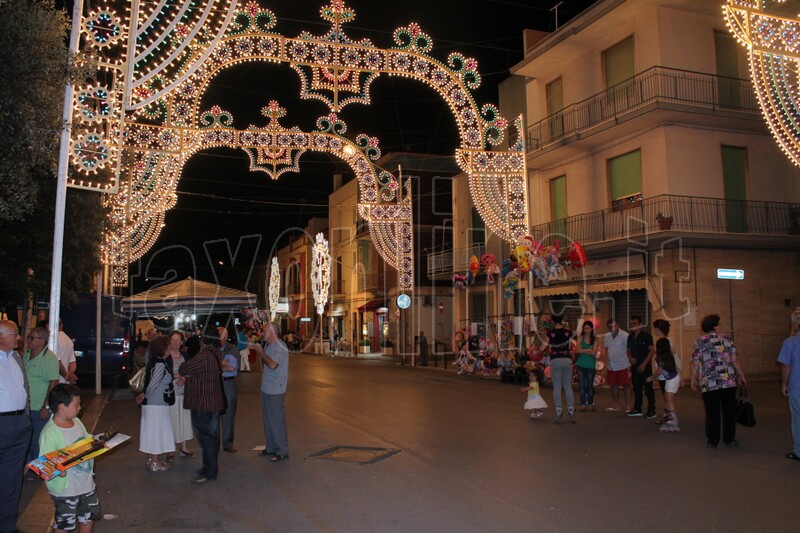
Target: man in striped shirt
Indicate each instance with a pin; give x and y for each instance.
(204, 397)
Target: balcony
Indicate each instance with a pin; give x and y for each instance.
(707, 221)
(728, 99)
(338, 287)
(444, 263)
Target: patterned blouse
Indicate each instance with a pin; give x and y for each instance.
(716, 354)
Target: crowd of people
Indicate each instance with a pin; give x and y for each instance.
(189, 391)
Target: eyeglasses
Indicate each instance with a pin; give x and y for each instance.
(31, 337)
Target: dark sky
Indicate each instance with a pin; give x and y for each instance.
(218, 198)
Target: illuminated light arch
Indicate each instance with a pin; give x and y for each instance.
(141, 119)
(274, 288)
(320, 273)
(773, 45)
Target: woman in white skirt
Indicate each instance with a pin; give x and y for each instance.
(155, 434)
(181, 418)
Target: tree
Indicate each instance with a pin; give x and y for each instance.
(35, 65)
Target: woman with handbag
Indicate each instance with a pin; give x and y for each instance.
(155, 434)
(181, 417)
(715, 372)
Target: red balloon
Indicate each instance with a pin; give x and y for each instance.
(547, 372)
(576, 255)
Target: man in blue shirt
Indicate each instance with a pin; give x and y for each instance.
(230, 369)
(15, 425)
(789, 359)
(273, 392)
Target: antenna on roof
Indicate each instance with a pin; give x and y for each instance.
(555, 8)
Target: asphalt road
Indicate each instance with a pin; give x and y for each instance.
(432, 451)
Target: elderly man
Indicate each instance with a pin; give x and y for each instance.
(273, 392)
(41, 368)
(15, 425)
(789, 359)
(230, 369)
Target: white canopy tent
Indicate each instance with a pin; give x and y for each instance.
(188, 296)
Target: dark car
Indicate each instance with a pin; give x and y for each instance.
(80, 325)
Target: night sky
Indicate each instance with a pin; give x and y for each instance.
(218, 198)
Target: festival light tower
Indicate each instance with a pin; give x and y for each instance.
(320, 276)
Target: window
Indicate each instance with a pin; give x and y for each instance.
(558, 204)
(734, 175)
(625, 179)
(555, 103)
(618, 62)
(727, 57)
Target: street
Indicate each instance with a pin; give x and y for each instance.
(433, 451)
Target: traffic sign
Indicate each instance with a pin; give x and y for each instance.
(441, 307)
(730, 273)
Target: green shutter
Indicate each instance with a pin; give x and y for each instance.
(625, 173)
(558, 198)
(618, 62)
(734, 175)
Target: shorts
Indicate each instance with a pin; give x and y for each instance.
(671, 385)
(619, 377)
(73, 509)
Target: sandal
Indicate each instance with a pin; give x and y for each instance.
(186, 453)
(265, 453)
(170, 457)
(277, 457)
(792, 455)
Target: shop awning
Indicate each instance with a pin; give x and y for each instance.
(555, 290)
(620, 285)
(373, 304)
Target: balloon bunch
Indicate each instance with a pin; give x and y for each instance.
(489, 262)
(529, 255)
(254, 318)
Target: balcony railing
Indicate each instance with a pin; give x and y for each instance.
(687, 213)
(446, 262)
(655, 85)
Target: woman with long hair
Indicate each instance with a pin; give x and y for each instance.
(586, 350)
(155, 434)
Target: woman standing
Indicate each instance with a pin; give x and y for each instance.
(181, 418)
(587, 350)
(715, 371)
(560, 348)
(155, 433)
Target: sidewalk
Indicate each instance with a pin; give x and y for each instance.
(36, 507)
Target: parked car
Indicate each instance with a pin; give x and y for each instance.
(115, 355)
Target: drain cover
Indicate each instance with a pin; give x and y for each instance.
(356, 454)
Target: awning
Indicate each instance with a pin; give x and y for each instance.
(188, 296)
(373, 304)
(555, 290)
(620, 285)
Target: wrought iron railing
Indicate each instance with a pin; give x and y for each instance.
(674, 213)
(657, 84)
(449, 261)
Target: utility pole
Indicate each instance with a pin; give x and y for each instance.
(555, 9)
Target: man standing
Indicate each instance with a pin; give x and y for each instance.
(422, 346)
(203, 395)
(66, 357)
(640, 353)
(789, 359)
(273, 392)
(41, 368)
(230, 369)
(15, 425)
(615, 345)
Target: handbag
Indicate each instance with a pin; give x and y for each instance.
(169, 394)
(745, 415)
(137, 381)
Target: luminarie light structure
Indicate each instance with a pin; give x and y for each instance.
(140, 121)
(274, 288)
(320, 273)
(770, 30)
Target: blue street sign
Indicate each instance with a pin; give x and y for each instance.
(730, 273)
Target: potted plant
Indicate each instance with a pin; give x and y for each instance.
(387, 347)
(364, 346)
(664, 222)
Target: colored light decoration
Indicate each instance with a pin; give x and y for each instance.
(274, 288)
(771, 34)
(320, 272)
(140, 119)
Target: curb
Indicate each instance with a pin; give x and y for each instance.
(37, 516)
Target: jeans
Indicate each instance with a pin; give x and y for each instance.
(794, 408)
(586, 384)
(229, 416)
(38, 425)
(273, 412)
(206, 426)
(561, 374)
(716, 401)
(639, 381)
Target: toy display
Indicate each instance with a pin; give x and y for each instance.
(59, 461)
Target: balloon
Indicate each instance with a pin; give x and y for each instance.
(474, 266)
(547, 372)
(522, 255)
(576, 255)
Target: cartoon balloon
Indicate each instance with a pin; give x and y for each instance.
(474, 265)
